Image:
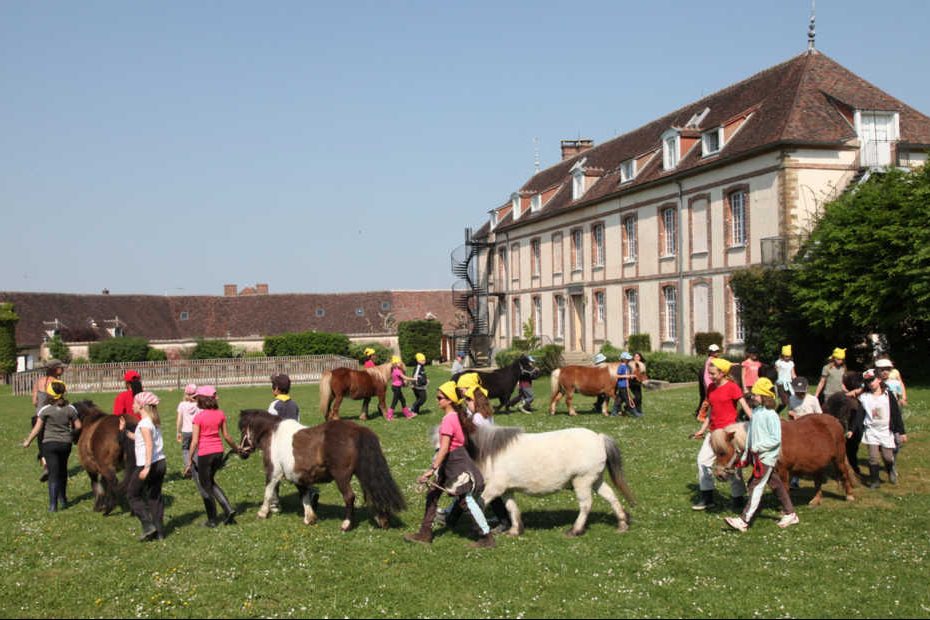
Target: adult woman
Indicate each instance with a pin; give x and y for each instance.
(881, 424)
(452, 466)
(722, 397)
(56, 418)
(831, 376)
(207, 443)
(143, 486)
(638, 370)
(54, 369)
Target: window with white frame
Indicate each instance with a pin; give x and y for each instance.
(627, 171)
(535, 258)
(517, 318)
(537, 315)
(597, 245)
(629, 239)
(577, 250)
(670, 145)
(515, 205)
(559, 316)
(670, 318)
(739, 329)
(669, 245)
(600, 306)
(577, 183)
(737, 206)
(632, 311)
(711, 141)
(536, 203)
(515, 262)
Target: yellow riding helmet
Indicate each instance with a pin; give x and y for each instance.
(448, 390)
(50, 388)
(395, 359)
(786, 350)
(421, 359)
(470, 392)
(468, 380)
(839, 353)
(722, 365)
(763, 387)
(369, 351)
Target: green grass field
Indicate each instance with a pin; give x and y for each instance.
(862, 559)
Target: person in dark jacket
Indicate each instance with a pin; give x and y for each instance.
(282, 405)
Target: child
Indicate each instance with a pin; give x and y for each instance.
(786, 373)
(763, 443)
(56, 418)
(143, 487)
(420, 381)
(397, 383)
(524, 391)
(623, 401)
(369, 358)
(187, 409)
(207, 443)
(750, 369)
(831, 376)
(882, 423)
(282, 405)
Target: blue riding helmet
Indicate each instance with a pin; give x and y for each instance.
(600, 358)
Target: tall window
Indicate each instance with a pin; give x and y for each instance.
(559, 316)
(537, 315)
(669, 241)
(517, 318)
(515, 261)
(577, 250)
(557, 260)
(502, 268)
(600, 306)
(597, 245)
(739, 329)
(669, 149)
(536, 203)
(629, 239)
(632, 311)
(670, 318)
(535, 258)
(737, 231)
(577, 184)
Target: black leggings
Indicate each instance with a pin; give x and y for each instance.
(56, 455)
(210, 491)
(145, 496)
(398, 396)
(420, 393)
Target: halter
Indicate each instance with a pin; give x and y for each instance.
(246, 446)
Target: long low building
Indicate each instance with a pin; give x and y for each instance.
(174, 323)
(642, 233)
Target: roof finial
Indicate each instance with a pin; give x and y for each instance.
(811, 31)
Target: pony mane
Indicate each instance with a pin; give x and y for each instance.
(719, 438)
(261, 422)
(489, 440)
(87, 409)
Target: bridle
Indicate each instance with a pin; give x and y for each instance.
(246, 446)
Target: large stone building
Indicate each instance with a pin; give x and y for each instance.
(641, 234)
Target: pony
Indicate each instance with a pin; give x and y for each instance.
(338, 383)
(501, 382)
(809, 447)
(333, 451)
(846, 409)
(542, 463)
(101, 452)
(600, 381)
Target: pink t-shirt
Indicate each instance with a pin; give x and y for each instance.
(397, 377)
(369, 364)
(451, 427)
(209, 421)
(186, 411)
(750, 372)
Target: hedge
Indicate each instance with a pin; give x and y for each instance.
(211, 350)
(306, 343)
(424, 336)
(674, 368)
(548, 357)
(703, 340)
(124, 349)
(382, 353)
(8, 320)
(639, 342)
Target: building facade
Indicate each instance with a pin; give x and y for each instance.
(642, 233)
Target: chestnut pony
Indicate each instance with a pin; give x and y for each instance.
(589, 380)
(332, 451)
(810, 446)
(338, 383)
(102, 453)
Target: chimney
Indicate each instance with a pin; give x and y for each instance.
(570, 148)
(261, 289)
(230, 290)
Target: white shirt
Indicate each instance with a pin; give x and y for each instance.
(158, 446)
(877, 420)
(804, 406)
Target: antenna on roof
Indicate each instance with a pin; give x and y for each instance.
(536, 153)
(811, 31)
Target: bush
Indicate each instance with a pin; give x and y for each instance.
(211, 349)
(59, 350)
(703, 340)
(118, 350)
(306, 343)
(8, 320)
(419, 337)
(548, 358)
(674, 368)
(80, 361)
(611, 352)
(639, 342)
(248, 354)
(156, 355)
(382, 353)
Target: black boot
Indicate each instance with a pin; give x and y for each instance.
(892, 473)
(739, 503)
(210, 505)
(874, 482)
(53, 496)
(148, 527)
(230, 514)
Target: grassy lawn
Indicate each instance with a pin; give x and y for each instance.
(862, 559)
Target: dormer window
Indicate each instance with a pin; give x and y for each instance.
(712, 141)
(671, 147)
(492, 218)
(536, 203)
(578, 179)
(627, 170)
(515, 205)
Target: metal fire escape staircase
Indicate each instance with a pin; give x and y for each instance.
(470, 295)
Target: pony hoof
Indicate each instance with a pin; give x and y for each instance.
(310, 521)
(262, 514)
(513, 532)
(346, 526)
(850, 498)
(623, 527)
(382, 521)
(572, 533)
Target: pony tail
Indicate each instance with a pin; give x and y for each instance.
(554, 381)
(374, 475)
(615, 467)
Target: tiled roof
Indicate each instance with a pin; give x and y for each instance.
(796, 102)
(159, 318)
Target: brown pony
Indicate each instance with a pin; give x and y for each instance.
(356, 384)
(101, 453)
(810, 446)
(333, 451)
(589, 380)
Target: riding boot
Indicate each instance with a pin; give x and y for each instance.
(63, 495)
(53, 496)
(210, 505)
(148, 526)
(892, 473)
(229, 518)
(409, 414)
(425, 534)
(874, 482)
(389, 416)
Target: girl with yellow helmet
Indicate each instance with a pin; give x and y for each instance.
(398, 378)
(420, 381)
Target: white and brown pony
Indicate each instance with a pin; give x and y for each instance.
(361, 385)
(330, 452)
(543, 463)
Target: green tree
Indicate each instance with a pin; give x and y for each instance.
(58, 349)
(8, 320)
(424, 336)
(124, 349)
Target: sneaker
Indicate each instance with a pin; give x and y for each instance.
(737, 523)
(703, 505)
(524, 409)
(787, 520)
(424, 538)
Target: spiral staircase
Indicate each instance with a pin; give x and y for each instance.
(470, 295)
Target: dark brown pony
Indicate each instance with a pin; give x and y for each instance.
(356, 384)
(331, 452)
(589, 380)
(810, 446)
(102, 453)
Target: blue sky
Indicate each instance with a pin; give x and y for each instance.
(173, 147)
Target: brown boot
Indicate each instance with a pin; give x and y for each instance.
(485, 542)
(422, 537)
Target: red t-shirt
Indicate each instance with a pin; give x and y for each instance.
(122, 405)
(722, 401)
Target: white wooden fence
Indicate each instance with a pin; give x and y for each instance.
(177, 374)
